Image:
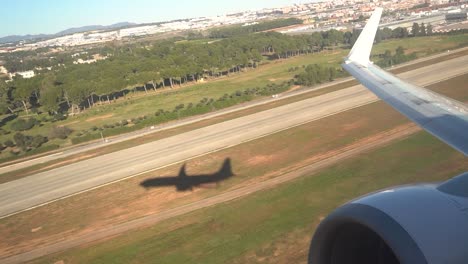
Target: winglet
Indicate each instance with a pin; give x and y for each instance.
(361, 50)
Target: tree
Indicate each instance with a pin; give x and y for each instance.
(415, 30)
(347, 37)
(400, 32)
(378, 36)
(4, 100)
(387, 33)
(429, 30)
(50, 93)
(356, 33)
(422, 30)
(23, 90)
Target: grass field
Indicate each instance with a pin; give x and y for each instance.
(275, 226)
(252, 162)
(269, 72)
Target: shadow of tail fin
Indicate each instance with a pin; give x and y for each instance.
(226, 169)
(182, 172)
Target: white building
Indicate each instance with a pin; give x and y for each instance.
(25, 74)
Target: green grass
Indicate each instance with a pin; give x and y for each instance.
(424, 46)
(260, 225)
(269, 72)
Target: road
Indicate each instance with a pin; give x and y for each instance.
(46, 187)
(16, 165)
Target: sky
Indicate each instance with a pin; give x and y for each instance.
(20, 17)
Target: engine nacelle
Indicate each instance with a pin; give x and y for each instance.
(410, 224)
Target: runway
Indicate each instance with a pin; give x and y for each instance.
(45, 187)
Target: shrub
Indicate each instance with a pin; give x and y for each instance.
(38, 140)
(9, 143)
(61, 132)
(159, 112)
(59, 117)
(23, 124)
(15, 152)
(179, 107)
(20, 140)
(124, 122)
(28, 142)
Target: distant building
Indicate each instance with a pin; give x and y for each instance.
(81, 61)
(456, 17)
(26, 74)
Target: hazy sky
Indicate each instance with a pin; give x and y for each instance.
(19, 17)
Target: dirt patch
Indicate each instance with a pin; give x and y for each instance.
(295, 87)
(34, 230)
(261, 159)
(354, 125)
(99, 117)
(71, 123)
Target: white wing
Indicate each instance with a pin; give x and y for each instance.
(441, 116)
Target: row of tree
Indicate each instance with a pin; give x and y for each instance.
(316, 74)
(421, 30)
(161, 64)
(388, 59)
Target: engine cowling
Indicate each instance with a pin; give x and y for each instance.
(425, 223)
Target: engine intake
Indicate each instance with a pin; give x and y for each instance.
(412, 224)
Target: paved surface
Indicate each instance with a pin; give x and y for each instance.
(346, 152)
(15, 165)
(58, 183)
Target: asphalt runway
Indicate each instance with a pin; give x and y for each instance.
(45, 187)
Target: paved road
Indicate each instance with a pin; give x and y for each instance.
(116, 139)
(48, 186)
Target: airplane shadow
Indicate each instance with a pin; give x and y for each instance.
(184, 182)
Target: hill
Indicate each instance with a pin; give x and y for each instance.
(17, 38)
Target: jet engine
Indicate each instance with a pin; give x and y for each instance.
(425, 223)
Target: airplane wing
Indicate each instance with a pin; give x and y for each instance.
(424, 223)
(441, 116)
